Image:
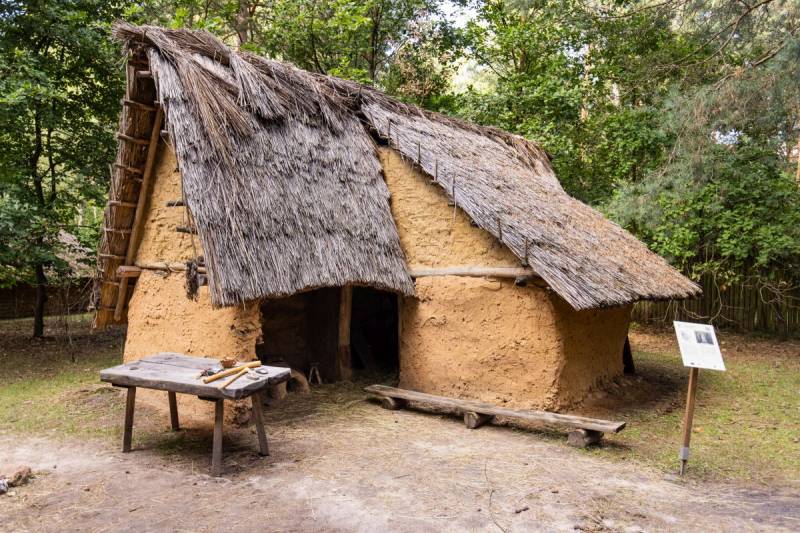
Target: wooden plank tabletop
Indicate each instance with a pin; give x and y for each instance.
(181, 373)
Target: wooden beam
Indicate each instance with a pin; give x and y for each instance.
(186, 229)
(168, 267)
(117, 203)
(144, 74)
(344, 363)
(175, 203)
(134, 140)
(112, 256)
(475, 272)
(132, 170)
(116, 230)
(138, 219)
(125, 271)
(138, 105)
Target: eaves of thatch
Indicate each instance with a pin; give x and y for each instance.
(282, 179)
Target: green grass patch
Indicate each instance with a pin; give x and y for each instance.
(746, 422)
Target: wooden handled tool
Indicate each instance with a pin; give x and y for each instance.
(234, 378)
(230, 371)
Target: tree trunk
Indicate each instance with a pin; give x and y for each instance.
(41, 300)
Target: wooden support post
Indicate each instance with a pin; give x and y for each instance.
(258, 418)
(581, 438)
(127, 433)
(344, 357)
(136, 229)
(688, 417)
(392, 404)
(173, 411)
(216, 453)
(475, 420)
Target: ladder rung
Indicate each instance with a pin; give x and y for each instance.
(133, 170)
(135, 140)
(117, 203)
(139, 105)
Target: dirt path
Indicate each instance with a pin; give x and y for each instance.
(355, 467)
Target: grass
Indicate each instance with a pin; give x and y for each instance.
(746, 429)
(746, 423)
(51, 385)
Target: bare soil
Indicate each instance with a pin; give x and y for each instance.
(339, 463)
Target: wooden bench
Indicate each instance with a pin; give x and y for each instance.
(173, 373)
(584, 431)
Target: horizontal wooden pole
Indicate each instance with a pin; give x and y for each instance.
(475, 272)
(185, 229)
(117, 203)
(175, 203)
(132, 170)
(138, 105)
(168, 267)
(126, 271)
(134, 140)
(144, 74)
(116, 230)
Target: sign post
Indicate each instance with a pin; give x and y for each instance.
(699, 349)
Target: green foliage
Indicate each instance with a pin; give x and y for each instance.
(60, 85)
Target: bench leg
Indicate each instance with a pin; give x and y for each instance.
(581, 438)
(475, 420)
(127, 431)
(263, 445)
(173, 411)
(216, 453)
(393, 404)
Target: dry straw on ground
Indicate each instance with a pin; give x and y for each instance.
(282, 178)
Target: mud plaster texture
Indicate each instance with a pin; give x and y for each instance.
(487, 339)
(160, 240)
(160, 316)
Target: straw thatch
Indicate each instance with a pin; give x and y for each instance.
(282, 179)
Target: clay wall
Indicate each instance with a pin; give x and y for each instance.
(482, 338)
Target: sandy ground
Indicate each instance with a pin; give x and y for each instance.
(342, 464)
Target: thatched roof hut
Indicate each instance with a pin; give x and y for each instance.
(281, 177)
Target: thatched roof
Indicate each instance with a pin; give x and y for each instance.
(281, 175)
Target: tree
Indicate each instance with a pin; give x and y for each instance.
(60, 85)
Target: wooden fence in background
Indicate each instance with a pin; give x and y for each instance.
(744, 306)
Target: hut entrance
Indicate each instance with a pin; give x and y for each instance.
(374, 343)
(304, 329)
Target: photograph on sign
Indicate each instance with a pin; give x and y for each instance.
(699, 346)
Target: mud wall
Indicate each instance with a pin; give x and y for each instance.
(430, 234)
(482, 338)
(160, 240)
(593, 341)
(160, 316)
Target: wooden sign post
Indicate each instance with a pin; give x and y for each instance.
(699, 349)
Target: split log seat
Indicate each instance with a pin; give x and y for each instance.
(583, 431)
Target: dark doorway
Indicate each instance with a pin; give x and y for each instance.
(374, 330)
(301, 330)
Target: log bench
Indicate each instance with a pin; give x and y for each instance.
(583, 431)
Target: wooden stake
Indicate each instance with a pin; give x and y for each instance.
(687, 418)
(344, 365)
